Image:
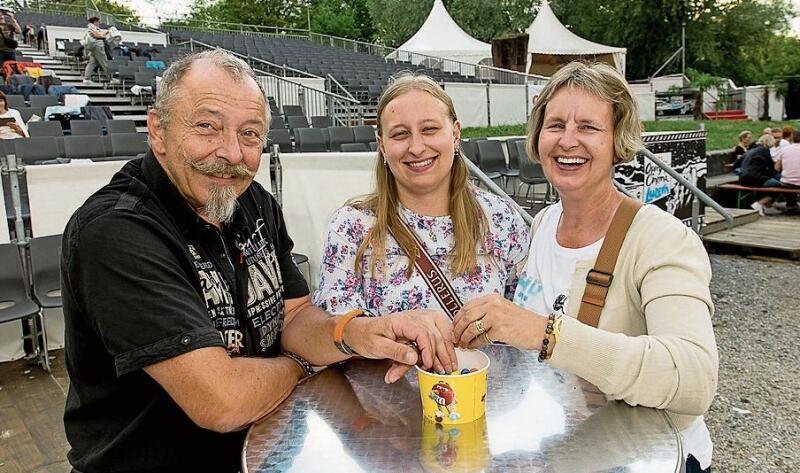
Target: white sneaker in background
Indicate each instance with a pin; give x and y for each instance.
(757, 206)
(87, 82)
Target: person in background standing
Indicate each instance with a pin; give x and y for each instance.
(40, 32)
(8, 28)
(95, 49)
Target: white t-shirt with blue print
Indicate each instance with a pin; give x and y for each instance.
(545, 282)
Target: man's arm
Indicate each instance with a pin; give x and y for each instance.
(226, 394)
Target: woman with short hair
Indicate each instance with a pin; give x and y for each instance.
(640, 328)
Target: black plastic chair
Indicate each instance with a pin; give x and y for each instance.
(364, 134)
(295, 122)
(293, 110)
(15, 304)
(531, 174)
(277, 123)
(84, 147)
(15, 101)
(44, 101)
(469, 149)
(491, 159)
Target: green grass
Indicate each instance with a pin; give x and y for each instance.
(722, 134)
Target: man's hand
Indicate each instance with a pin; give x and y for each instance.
(392, 337)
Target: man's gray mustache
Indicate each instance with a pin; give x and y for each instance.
(221, 167)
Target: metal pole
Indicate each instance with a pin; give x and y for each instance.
(488, 107)
(683, 48)
(276, 157)
(13, 176)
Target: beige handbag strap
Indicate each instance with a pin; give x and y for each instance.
(600, 277)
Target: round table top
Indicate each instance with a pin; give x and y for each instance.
(537, 419)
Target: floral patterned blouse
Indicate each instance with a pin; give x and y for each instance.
(341, 289)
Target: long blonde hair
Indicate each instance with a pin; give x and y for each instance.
(469, 221)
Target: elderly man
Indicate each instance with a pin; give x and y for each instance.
(186, 318)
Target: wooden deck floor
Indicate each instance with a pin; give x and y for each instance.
(774, 234)
(31, 408)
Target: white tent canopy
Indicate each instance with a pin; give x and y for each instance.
(440, 36)
(547, 36)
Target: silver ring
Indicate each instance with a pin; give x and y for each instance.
(487, 339)
(479, 325)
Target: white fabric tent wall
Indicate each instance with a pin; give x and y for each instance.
(507, 104)
(440, 36)
(11, 347)
(646, 99)
(470, 103)
(315, 185)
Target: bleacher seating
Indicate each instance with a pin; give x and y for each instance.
(364, 75)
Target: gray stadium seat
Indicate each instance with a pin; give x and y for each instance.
(128, 144)
(309, 140)
(15, 101)
(354, 147)
(84, 147)
(293, 110)
(321, 122)
(121, 126)
(85, 127)
(338, 136)
(531, 173)
(45, 129)
(277, 123)
(364, 134)
(297, 122)
(373, 146)
(31, 150)
(469, 148)
(27, 112)
(44, 101)
(281, 138)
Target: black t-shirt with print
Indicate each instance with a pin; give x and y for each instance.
(144, 279)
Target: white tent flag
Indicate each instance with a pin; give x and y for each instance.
(548, 36)
(440, 36)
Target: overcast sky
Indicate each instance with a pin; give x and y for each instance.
(150, 10)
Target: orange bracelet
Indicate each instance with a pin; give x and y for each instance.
(338, 330)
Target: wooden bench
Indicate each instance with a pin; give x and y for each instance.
(743, 192)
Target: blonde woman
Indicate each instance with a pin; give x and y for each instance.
(477, 239)
(654, 343)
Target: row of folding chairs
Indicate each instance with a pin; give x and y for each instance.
(50, 149)
(80, 127)
(335, 138)
(26, 302)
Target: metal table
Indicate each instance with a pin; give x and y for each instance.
(346, 419)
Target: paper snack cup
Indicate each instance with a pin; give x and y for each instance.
(459, 398)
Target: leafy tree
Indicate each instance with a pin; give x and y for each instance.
(78, 7)
(344, 18)
(281, 13)
(396, 21)
(702, 82)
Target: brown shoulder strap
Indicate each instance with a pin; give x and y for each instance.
(442, 290)
(599, 278)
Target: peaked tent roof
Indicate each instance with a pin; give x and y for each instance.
(547, 35)
(441, 36)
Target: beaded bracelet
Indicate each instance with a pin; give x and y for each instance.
(548, 332)
(307, 368)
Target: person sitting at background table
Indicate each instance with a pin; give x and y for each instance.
(789, 167)
(476, 238)
(654, 343)
(11, 123)
(758, 170)
(741, 147)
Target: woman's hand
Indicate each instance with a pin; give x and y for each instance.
(502, 320)
(16, 129)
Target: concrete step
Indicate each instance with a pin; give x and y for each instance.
(97, 92)
(101, 100)
(141, 129)
(139, 119)
(139, 109)
(80, 84)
